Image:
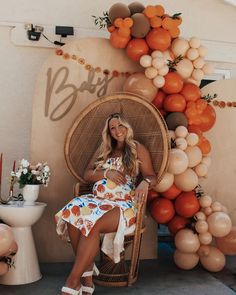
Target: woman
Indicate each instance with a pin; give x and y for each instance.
(111, 209)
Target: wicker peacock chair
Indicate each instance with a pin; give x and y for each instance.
(82, 141)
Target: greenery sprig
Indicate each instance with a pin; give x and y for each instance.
(176, 15)
(102, 21)
(173, 63)
(209, 97)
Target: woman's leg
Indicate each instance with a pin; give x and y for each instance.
(88, 246)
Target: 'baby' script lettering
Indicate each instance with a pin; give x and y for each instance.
(58, 83)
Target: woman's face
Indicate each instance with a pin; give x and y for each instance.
(117, 130)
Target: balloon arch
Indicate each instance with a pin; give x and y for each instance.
(173, 68)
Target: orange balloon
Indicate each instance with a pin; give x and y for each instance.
(227, 244)
(173, 83)
(177, 223)
(158, 100)
(187, 204)
(208, 118)
(195, 129)
(174, 103)
(172, 192)
(162, 210)
(136, 48)
(204, 145)
(191, 92)
(158, 39)
(152, 195)
(117, 40)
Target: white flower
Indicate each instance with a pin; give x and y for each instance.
(13, 173)
(25, 171)
(46, 169)
(24, 163)
(18, 174)
(38, 178)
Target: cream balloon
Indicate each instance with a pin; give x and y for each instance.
(150, 72)
(198, 63)
(202, 50)
(181, 143)
(197, 74)
(205, 201)
(192, 139)
(207, 211)
(156, 53)
(208, 69)
(194, 155)
(6, 238)
(184, 68)
(191, 80)
(201, 226)
(187, 180)
(214, 261)
(192, 54)
(158, 62)
(145, 61)
(206, 160)
(179, 46)
(194, 42)
(201, 170)
(186, 241)
(163, 70)
(216, 206)
(139, 84)
(205, 238)
(200, 216)
(219, 224)
(159, 81)
(185, 260)
(203, 250)
(165, 183)
(178, 161)
(181, 131)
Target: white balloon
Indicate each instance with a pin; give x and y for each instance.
(165, 183)
(199, 63)
(150, 72)
(158, 62)
(194, 155)
(159, 81)
(194, 42)
(184, 68)
(202, 51)
(205, 201)
(156, 53)
(201, 170)
(206, 160)
(179, 46)
(208, 69)
(145, 61)
(201, 226)
(163, 70)
(205, 238)
(187, 180)
(200, 216)
(192, 53)
(178, 161)
(192, 139)
(181, 143)
(216, 206)
(181, 131)
(197, 74)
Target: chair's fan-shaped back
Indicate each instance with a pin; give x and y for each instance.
(84, 137)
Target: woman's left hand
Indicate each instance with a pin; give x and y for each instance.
(141, 192)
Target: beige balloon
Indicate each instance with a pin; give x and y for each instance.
(199, 63)
(205, 201)
(204, 250)
(201, 170)
(187, 241)
(197, 74)
(194, 42)
(214, 261)
(219, 224)
(178, 161)
(184, 68)
(201, 226)
(145, 61)
(200, 216)
(187, 180)
(181, 131)
(192, 54)
(179, 46)
(181, 143)
(194, 155)
(185, 260)
(205, 238)
(150, 72)
(165, 183)
(141, 85)
(192, 139)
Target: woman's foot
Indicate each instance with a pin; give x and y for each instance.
(72, 287)
(87, 280)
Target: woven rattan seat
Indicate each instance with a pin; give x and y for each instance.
(82, 141)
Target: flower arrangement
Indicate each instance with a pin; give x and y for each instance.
(31, 174)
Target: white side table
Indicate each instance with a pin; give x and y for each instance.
(21, 217)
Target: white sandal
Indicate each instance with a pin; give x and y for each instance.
(71, 291)
(89, 273)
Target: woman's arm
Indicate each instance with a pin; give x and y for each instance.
(147, 171)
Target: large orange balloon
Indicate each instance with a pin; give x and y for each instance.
(139, 84)
(158, 39)
(158, 100)
(171, 193)
(174, 103)
(162, 210)
(117, 40)
(173, 83)
(227, 244)
(191, 92)
(207, 118)
(187, 204)
(136, 48)
(204, 145)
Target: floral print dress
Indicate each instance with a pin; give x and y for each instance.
(84, 211)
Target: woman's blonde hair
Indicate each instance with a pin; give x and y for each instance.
(129, 158)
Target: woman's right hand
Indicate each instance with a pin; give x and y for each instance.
(116, 176)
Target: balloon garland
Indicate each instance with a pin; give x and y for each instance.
(173, 70)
